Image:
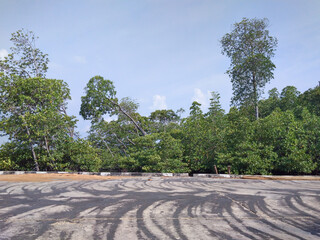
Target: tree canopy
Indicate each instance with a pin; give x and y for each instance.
(101, 99)
(250, 49)
(33, 113)
(25, 59)
(285, 139)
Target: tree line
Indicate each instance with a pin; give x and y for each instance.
(276, 135)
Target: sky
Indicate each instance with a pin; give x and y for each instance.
(164, 54)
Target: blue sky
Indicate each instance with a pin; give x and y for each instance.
(162, 53)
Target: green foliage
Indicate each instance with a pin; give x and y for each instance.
(193, 128)
(311, 125)
(289, 98)
(248, 158)
(99, 98)
(6, 155)
(311, 100)
(33, 113)
(6, 164)
(25, 60)
(83, 156)
(163, 120)
(267, 106)
(284, 140)
(15, 156)
(276, 144)
(164, 116)
(250, 49)
(287, 136)
(202, 136)
(157, 153)
(215, 106)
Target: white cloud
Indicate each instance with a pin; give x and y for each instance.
(80, 59)
(86, 128)
(159, 102)
(3, 53)
(202, 98)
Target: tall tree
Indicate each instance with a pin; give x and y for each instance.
(25, 59)
(250, 48)
(32, 108)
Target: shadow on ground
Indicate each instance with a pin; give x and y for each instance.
(160, 208)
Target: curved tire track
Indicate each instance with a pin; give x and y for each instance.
(163, 208)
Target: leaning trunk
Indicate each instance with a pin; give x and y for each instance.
(131, 119)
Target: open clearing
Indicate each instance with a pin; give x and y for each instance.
(58, 206)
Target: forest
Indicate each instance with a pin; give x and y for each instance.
(279, 134)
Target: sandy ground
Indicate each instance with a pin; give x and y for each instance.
(48, 177)
(307, 178)
(55, 177)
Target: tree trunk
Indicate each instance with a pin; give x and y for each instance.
(34, 157)
(132, 120)
(119, 140)
(255, 93)
(130, 141)
(52, 160)
(33, 151)
(257, 111)
(124, 146)
(105, 143)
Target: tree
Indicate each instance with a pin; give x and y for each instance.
(157, 152)
(32, 113)
(82, 156)
(163, 119)
(129, 106)
(289, 98)
(267, 106)
(250, 49)
(164, 116)
(25, 59)
(289, 139)
(311, 100)
(32, 108)
(215, 106)
(201, 136)
(113, 136)
(101, 99)
(195, 110)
